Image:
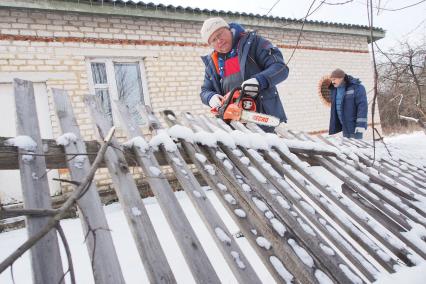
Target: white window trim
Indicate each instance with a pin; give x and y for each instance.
(112, 84)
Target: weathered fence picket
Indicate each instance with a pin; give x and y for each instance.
(230, 250)
(240, 212)
(264, 161)
(188, 242)
(281, 239)
(45, 256)
(149, 248)
(105, 265)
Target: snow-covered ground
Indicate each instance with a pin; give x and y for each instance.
(127, 252)
(411, 147)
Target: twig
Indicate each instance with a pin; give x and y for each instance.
(64, 208)
(402, 8)
(370, 21)
(68, 252)
(10, 213)
(301, 30)
(48, 155)
(273, 6)
(11, 274)
(67, 181)
(383, 141)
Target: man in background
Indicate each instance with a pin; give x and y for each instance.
(241, 58)
(349, 105)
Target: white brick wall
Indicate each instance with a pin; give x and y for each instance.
(175, 74)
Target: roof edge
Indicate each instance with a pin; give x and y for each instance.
(160, 11)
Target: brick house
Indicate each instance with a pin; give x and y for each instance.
(150, 53)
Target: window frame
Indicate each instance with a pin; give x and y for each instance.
(111, 80)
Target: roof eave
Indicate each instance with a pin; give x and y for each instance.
(180, 13)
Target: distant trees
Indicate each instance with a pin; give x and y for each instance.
(401, 88)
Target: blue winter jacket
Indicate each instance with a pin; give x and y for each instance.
(354, 108)
(258, 58)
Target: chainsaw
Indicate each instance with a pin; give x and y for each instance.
(237, 105)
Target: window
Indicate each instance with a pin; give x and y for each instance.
(118, 80)
(324, 91)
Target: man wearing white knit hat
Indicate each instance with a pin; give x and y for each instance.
(240, 58)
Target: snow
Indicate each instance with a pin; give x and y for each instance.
(22, 142)
(200, 157)
(282, 271)
(240, 138)
(237, 152)
(25, 143)
(257, 174)
(136, 211)
(127, 252)
(306, 227)
(221, 186)
(223, 237)
(328, 250)
(162, 138)
(278, 226)
(230, 199)
(236, 256)
(228, 164)
(354, 279)
(245, 161)
(246, 187)
(224, 138)
(139, 142)
(177, 161)
(78, 161)
(322, 277)
(301, 253)
(220, 155)
(260, 204)
(205, 138)
(269, 214)
(307, 207)
(263, 242)
(210, 169)
(181, 132)
(283, 202)
(240, 213)
(406, 275)
(155, 171)
(66, 139)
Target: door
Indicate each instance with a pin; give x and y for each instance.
(10, 183)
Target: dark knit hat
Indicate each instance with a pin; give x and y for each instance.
(338, 73)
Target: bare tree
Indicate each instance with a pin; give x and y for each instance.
(402, 80)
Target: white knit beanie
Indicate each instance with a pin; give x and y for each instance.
(210, 26)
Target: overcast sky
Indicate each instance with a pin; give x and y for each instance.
(407, 24)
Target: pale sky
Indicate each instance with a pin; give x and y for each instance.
(408, 24)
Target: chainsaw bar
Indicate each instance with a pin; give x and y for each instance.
(259, 118)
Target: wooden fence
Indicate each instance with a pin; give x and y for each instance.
(302, 229)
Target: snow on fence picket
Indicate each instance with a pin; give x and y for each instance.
(300, 226)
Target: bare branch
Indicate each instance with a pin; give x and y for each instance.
(64, 208)
(68, 253)
(10, 213)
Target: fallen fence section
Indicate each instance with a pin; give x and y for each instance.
(303, 228)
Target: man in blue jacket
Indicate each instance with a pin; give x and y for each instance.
(349, 105)
(240, 58)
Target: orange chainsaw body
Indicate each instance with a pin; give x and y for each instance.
(237, 104)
